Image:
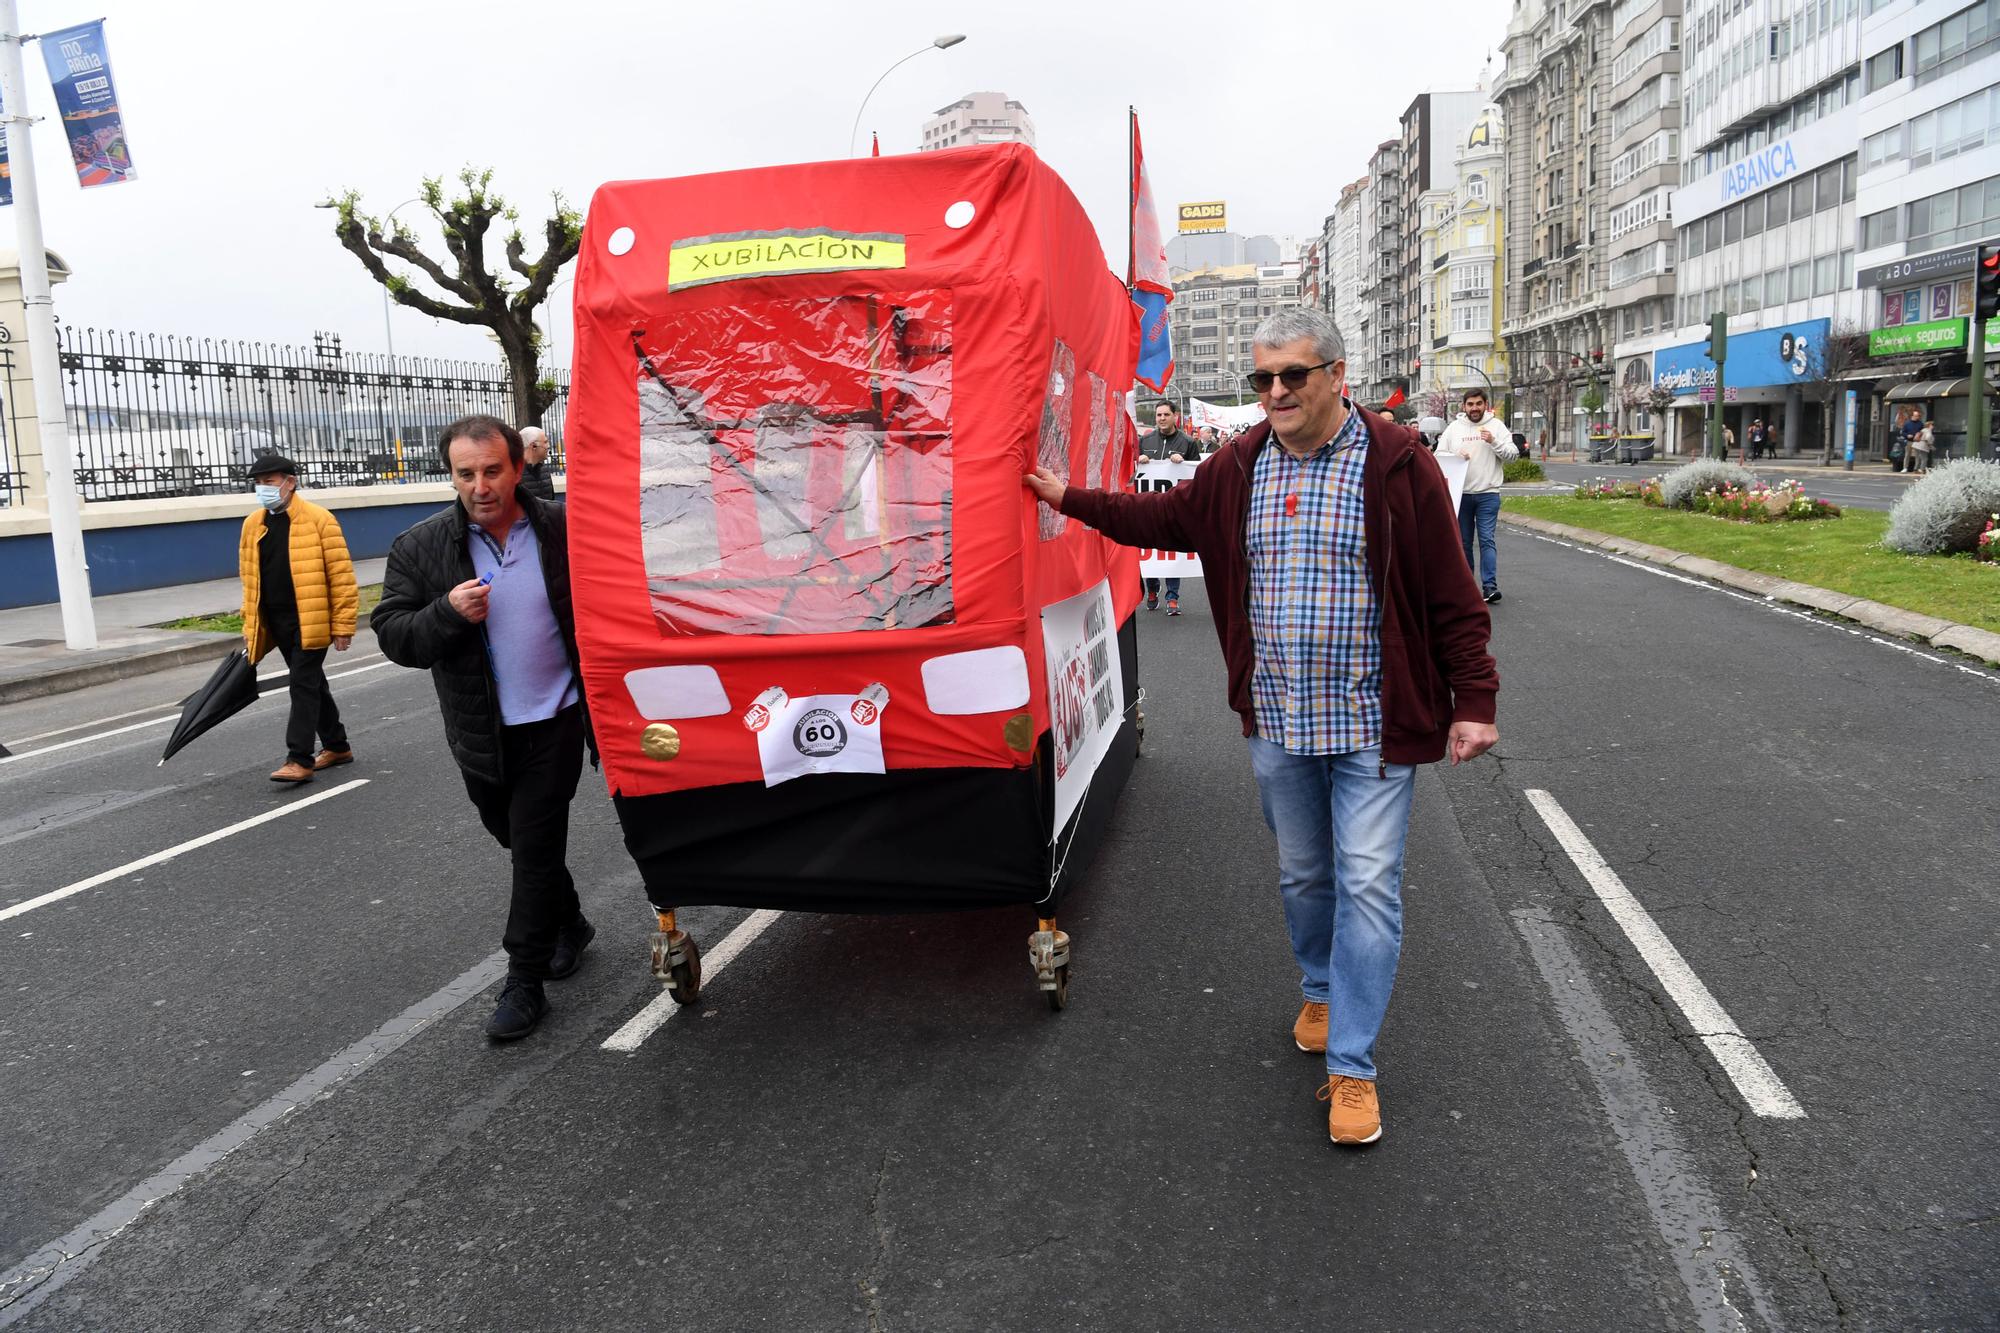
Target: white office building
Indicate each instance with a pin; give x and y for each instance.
(1765, 218)
(1929, 195)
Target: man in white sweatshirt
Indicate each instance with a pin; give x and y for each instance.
(1485, 444)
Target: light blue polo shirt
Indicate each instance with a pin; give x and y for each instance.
(523, 641)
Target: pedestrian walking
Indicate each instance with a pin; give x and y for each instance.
(1355, 644)
(1167, 442)
(299, 596)
(1758, 437)
(536, 479)
(1479, 439)
(479, 595)
(1728, 441)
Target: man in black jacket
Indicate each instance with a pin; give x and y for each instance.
(1167, 442)
(479, 594)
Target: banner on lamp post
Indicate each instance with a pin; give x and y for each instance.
(80, 71)
(6, 169)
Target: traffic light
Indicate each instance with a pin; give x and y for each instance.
(1987, 300)
(1718, 338)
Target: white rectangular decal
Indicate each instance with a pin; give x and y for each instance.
(1086, 690)
(821, 733)
(1162, 475)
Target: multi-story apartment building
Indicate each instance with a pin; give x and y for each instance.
(1346, 228)
(1765, 218)
(1635, 178)
(1465, 267)
(1214, 317)
(1432, 128)
(1929, 120)
(984, 117)
(1382, 266)
(1555, 95)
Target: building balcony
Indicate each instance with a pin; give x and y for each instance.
(1532, 267)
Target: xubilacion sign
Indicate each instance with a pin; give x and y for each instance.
(80, 71)
(1212, 215)
(699, 260)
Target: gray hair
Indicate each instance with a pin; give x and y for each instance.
(1288, 326)
(534, 435)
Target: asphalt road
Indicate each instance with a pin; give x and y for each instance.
(1869, 486)
(875, 1122)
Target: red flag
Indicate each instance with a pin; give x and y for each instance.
(875, 144)
(1395, 400)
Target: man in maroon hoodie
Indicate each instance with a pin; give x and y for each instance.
(1355, 640)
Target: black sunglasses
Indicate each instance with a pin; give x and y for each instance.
(1294, 377)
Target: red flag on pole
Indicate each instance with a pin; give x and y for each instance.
(1395, 400)
(875, 144)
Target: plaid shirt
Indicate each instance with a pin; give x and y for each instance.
(1315, 622)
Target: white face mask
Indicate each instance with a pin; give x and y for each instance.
(271, 497)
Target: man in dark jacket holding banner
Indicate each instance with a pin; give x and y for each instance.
(1355, 641)
(479, 594)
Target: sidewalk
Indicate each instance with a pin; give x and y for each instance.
(34, 662)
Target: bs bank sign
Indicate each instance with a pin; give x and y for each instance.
(1756, 360)
(1817, 144)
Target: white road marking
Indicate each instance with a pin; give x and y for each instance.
(29, 1283)
(1770, 604)
(1764, 1092)
(654, 1016)
(156, 721)
(57, 895)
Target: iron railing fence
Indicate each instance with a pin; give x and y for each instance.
(159, 416)
(13, 481)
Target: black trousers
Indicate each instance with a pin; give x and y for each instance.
(313, 709)
(527, 812)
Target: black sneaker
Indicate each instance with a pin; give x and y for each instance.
(1152, 601)
(522, 1005)
(1492, 594)
(575, 938)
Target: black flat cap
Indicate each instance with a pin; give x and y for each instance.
(266, 464)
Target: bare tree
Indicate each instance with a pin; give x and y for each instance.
(1845, 348)
(500, 304)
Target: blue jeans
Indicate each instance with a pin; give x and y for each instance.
(1173, 587)
(1341, 827)
(1481, 513)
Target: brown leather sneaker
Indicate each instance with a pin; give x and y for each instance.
(332, 759)
(1309, 1033)
(293, 772)
(1354, 1115)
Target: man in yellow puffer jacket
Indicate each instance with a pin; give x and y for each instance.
(299, 597)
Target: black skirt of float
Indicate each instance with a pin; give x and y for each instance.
(916, 840)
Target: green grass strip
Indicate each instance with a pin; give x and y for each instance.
(232, 622)
(1844, 554)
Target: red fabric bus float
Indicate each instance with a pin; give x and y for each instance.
(836, 657)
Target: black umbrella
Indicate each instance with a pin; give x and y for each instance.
(229, 691)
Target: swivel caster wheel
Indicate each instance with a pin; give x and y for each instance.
(684, 980)
(1058, 997)
(676, 959)
(1048, 955)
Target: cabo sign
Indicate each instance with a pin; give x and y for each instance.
(1758, 171)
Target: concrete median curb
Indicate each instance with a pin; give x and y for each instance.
(104, 665)
(39, 682)
(1891, 620)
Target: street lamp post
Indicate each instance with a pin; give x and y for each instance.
(937, 43)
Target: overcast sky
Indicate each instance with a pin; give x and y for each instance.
(241, 116)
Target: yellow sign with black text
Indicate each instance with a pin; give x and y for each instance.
(1211, 216)
(699, 260)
